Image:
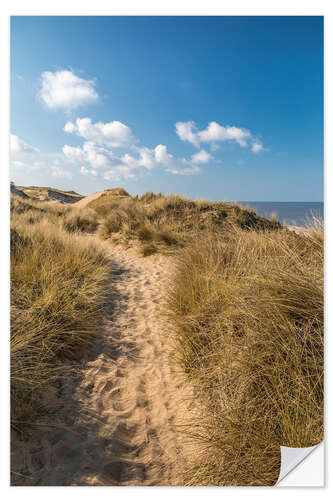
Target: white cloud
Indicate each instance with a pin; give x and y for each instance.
(60, 172)
(90, 153)
(64, 89)
(98, 157)
(159, 157)
(86, 171)
(112, 134)
(147, 158)
(162, 156)
(257, 147)
(119, 172)
(184, 167)
(130, 161)
(97, 152)
(185, 132)
(73, 153)
(28, 164)
(215, 133)
(129, 166)
(201, 157)
(69, 127)
(95, 156)
(176, 166)
(17, 146)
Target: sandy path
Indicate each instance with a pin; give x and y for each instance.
(122, 415)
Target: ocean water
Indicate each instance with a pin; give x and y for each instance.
(291, 213)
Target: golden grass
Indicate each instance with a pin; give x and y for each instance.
(172, 221)
(83, 220)
(57, 294)
(248, 316)
(104, 203)
(72, 219)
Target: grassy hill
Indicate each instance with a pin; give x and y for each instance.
(164, 223)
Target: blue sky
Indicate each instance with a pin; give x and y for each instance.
(211, 107)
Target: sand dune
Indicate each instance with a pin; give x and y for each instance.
(84, 202)
(123, 407)
(107, 193)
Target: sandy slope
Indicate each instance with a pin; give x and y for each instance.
(84, 202)
(123, 410)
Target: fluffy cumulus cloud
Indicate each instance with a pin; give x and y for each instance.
(18, 146)
(90, 153)
(73, 153)
(111, 151)
(112, 134)
(186, 131)
(65, 90)
(215, 133)
(98, 154)
(201, 157)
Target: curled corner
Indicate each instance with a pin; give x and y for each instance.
(291, 458)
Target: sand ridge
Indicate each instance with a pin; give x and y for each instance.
(122, 416)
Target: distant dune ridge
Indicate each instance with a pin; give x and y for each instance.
(45, 194)
(17, 192)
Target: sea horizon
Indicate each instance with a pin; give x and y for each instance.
(291, 213)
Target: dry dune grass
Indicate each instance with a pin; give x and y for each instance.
(72, 219)
(83, 220)
(57, 291)
(165, 223)
(248, 316)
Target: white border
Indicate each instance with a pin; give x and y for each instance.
(143, 7)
